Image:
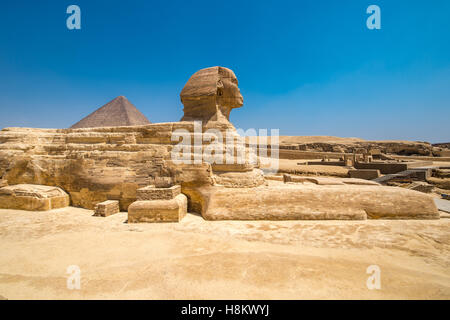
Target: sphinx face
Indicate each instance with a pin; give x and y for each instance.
(228, 93)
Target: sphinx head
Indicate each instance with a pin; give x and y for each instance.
(210, 94)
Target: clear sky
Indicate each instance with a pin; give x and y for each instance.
(307, 67)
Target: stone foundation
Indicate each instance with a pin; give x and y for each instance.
(315, 202)
(153, 193)
(158, 210)
(367, 174)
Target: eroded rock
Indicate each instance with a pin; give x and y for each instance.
(107, 208)
(33, 197)
(316, 202)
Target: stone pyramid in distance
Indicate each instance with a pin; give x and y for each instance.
(116, 113)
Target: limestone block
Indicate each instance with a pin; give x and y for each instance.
(153, 193)
(33, 197)
(3, 183)
(315, 180)
(235, 167)
(247, 179)
(273, 177)
(107, 208)
(421, 186)
(158, 210)
(359, 181)
(440, 183)
(367, 174)
(315, 202)
(441, 173)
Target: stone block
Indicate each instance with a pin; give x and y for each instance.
(107, 208)
(33, 197)
(421, 186)
(367, 174)
(153, 193)
(374, 152)
(315, 202)
(158, 210)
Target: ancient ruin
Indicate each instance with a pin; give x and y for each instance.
(133, 166)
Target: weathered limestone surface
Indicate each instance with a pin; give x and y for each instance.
(321, 202)
(107, 208)
(326, 181)
(421, 186)
(98, 164)
(367, 174)
(153, 193)
(33, 197)
(247, 179)
(158, 210)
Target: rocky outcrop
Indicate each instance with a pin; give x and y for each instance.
(111, 163)
(32, 197)
(98, 164)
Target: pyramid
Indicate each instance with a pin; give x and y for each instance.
(118, 112)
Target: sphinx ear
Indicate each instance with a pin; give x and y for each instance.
(219, 88)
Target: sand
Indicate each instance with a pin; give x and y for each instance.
(198, 259)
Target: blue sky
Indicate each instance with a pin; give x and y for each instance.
(304, 67)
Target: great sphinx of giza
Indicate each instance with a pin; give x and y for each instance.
(110, 163)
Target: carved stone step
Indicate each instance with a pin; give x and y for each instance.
(172, 210)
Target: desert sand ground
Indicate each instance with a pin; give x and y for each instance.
(198, 259)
